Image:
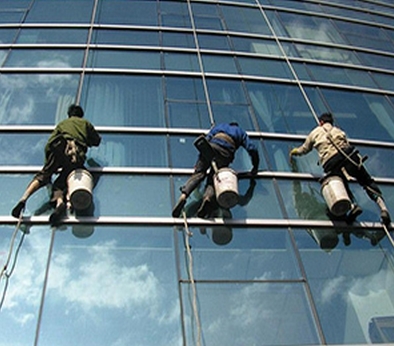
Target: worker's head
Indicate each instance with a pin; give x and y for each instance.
(75, 111)
(326, 118)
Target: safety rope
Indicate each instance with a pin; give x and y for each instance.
(4, 272)
(191, 276)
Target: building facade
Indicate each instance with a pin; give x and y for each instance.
(152, 76)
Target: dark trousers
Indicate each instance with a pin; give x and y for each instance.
(223, 158)
(354, 167)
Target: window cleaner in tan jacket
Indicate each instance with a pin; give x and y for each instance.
(335, 155)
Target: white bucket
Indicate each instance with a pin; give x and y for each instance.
(80, 186)
(226, 187)
(336, 196)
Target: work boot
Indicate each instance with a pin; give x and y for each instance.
(176, 212)
(205, 208)
(58, 214)
(384, 213)
(16, 212)
(354, 212)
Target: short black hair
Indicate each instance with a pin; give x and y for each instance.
(327, 118)
(75, 111)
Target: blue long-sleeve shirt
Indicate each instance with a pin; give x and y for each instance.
(239, 137)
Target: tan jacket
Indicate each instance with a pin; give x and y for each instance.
(325, 139)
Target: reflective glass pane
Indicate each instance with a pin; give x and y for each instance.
(115, 276)
(310, 28)
(362, 115)
(385, 81)
(134, 150)
(14, 4)
(45, 58)
(67, 11)
(181, 62)
(7, 35)
(264, 68)
(225, 253)
(219, 64)
(174, 14)
(126, 37)
(245, 19)
(255, 45)
(21, 305)
(12, 17)
(376, 60)
(127, 12)
(206, 16)
(189, 115)
(215, 42)
(114, 100)
(53, 35)
(3, 55)
(124, 59)
(351, 299)
(36, 98)
(280, 108)
(134, 195)
(185, 89)
(177, 39)
(250, 313)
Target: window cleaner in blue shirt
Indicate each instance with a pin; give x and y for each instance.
(224, 140)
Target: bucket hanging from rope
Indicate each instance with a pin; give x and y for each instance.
(335, 195)
(226, 187)
(80, 186)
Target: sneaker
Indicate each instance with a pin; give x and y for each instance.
(176, 212)
(353, 214)
(16, 212)
(385, 217)
(57, 215)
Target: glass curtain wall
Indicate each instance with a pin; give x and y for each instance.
(151, 76)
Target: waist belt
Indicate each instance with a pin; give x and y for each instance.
(225, 137)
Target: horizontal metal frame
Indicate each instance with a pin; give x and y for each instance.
(195, 222)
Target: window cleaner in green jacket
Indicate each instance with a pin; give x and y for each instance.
(66, 150)
(335, 153)
(224, 139)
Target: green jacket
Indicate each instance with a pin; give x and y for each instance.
(76, 128)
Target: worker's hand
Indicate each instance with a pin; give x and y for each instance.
(293, 152)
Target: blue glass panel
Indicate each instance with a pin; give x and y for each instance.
(385, 81)
(376, 60)
(36, 98)
(278, 154)
(127, 12)
(264, 67)
(14, 4)
(181, 62)
(185, 89)
(20, 308)
(12, 17)
(206, 16)
(136, 150)
(7, 35)
(226, 113)
(134, 195)
(362, 115)
(225, 253)
(116, 100)
(215, 42)
(115, 276)
(310, 28)
(339, 75)
(326, 54)
(280, 108)
(174, 14)
(45, 58)
(350, 298)
(219, 64)
(189, 115)
(250, 313)
(245, 19)
(3, 56)
(124, 59)
(255, 45)
(126, 37)
(365, 36)
(53, 35)
(67, 11)
(177, 39)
